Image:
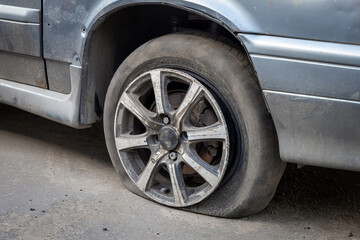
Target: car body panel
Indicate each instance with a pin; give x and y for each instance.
(312, 89)
(23, 69)
(306, 77)
(20, 29)
(20, 42)
(305, 66)
(316, 130)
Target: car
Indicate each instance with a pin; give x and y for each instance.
(202, 102)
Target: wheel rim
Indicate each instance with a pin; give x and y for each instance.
(175, 151)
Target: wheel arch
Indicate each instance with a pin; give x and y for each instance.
(107, 57)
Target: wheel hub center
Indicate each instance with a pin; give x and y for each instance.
(168, 138)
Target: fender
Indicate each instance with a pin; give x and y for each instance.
(293, 19)
(78, 18)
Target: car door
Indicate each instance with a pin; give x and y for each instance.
(21, 42)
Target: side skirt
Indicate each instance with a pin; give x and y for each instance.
(62, 108)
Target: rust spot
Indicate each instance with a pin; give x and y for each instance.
(269, 2)
(41, 83)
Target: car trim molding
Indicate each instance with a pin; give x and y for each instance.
(19, 14)
(308, 77)
(327, 52)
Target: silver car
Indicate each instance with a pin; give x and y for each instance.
(202, 102)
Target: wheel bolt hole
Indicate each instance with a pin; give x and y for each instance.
(184, 136)
(165, 190)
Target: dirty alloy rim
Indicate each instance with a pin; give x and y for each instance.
(171, 136)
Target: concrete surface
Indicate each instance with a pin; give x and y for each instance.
(58, 183)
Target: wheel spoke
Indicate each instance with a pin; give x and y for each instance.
(146, 176)
(136, 108)
(206, 171)
(177, 182)
(159, 91)
(216, 131)
(189, 100)
(150, 170)
(129, 142)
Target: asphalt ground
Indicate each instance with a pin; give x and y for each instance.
(58, 183)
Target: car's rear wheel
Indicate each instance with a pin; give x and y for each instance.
(186, 126)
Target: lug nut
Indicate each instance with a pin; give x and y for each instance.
(173, 155)
(166, 120)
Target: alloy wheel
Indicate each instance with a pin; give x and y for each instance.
(171, 136)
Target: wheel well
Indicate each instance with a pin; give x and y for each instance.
(117, 35)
